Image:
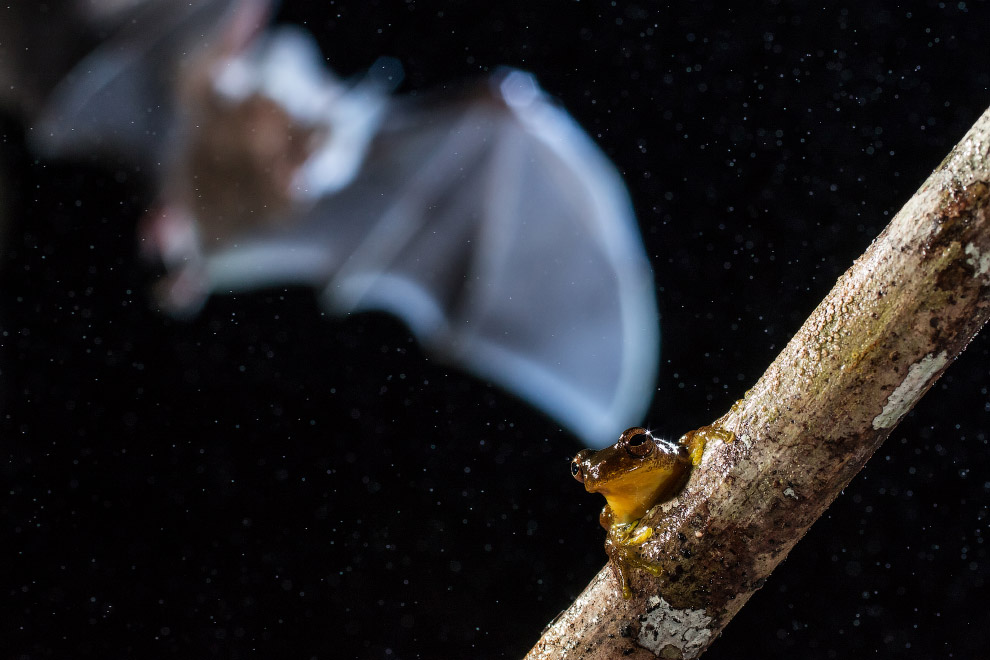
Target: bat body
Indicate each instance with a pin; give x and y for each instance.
(487, 220)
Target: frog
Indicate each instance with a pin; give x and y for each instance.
(635, 474)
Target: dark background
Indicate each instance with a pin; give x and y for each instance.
(264, 481)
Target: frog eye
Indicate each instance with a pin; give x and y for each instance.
(576, 471)
(638, 442)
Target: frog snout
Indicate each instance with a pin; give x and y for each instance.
(578, 464)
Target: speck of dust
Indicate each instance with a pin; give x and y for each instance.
(663, 626)
(901, 400)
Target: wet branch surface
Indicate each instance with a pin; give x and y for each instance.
(888, 329)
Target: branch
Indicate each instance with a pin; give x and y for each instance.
(887, 330)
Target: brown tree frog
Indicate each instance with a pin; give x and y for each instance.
(635, 474)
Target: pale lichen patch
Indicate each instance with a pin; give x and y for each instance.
(664, 626)
(980, 261)
(917, 379)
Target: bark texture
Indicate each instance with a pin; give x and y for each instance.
(887, 330)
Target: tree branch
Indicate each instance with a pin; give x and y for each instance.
(887, 330)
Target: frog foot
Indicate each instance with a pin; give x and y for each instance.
(639, 535)
(695, 441)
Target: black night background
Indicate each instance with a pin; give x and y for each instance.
(264, 481)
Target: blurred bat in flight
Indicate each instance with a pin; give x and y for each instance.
(486, 220)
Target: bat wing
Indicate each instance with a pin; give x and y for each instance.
(510, 247)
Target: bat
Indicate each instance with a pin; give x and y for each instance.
(485, 219)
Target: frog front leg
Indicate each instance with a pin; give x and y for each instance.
(622, 546)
